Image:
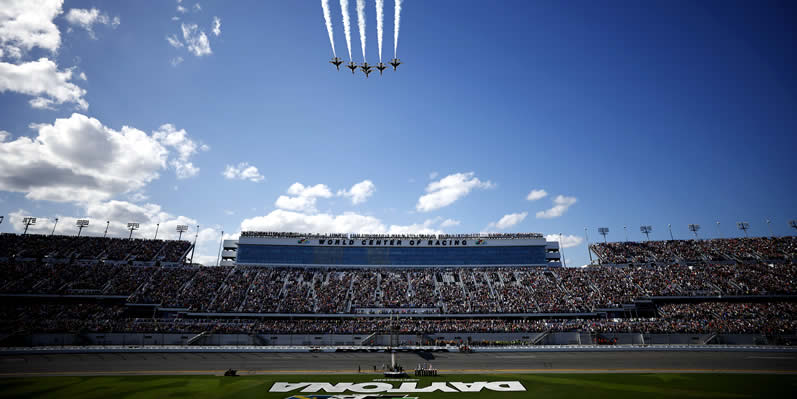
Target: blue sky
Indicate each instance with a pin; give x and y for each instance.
(654, 113)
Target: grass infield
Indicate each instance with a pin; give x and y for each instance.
(537, 386)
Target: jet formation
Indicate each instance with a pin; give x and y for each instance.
(365, 67)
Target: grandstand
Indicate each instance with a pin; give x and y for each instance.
(58, 289)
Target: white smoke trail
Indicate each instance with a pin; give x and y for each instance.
(344, 9)
(396, 26)
(380, 17)
(328, 19)
(361, 23)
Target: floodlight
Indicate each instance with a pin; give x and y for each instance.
(81, 223)
(181, 228)
(694, 228)
(743, 226)
(603, 231)
(28, 221)
(646, 230)
(131, 227)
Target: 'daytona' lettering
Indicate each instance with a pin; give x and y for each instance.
(404, 387)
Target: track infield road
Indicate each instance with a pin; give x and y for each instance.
(347, 363)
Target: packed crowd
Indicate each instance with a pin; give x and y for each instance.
(774, 318)
(463, 290)
(757, 249)
(88, 248)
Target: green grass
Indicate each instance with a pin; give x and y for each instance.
(541, 386)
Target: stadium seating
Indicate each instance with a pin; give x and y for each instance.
(108, 275)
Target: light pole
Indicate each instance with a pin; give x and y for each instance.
(669, 227)
(181, 229)
(792, 223)
(603, 231)
(769, 225)
(81, 223)
(562, 251)
(719, 233)
(646, 231)
(131, 227)
(54, 224)
(743, 226)
(194, 247)
(625, 228)
(28, 221)
(157, 226)
(694, 228)
(221, 241)
(107, 224)
(586, 236)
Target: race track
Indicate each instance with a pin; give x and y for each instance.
(447, 363)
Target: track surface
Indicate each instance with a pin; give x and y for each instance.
(321, 363)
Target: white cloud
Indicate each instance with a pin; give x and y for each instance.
(77, 159)
(216, 26)
(26, 24)
(176, 61)
(348, 222)
(175, 18)
(567, 240)
(82, 76)
(433, 175)
(359, 192)
(509, 220)
(450, 223)
(243, 171)
(302, 198)
(174, 41)
(536, 194)
(449, 189)
(43, 80)
(169, 136)
(561, 204)
(197, 7)
(196, 41)
(86, 19)
(181, 9)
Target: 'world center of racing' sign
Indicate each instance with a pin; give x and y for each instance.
(404, 387)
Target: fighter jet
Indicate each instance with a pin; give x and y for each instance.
(352, 66)
(336, 62)
(395, 63)
(381, 67)
(367, 69)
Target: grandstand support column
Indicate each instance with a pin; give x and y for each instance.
(54, 224)
(562, 252)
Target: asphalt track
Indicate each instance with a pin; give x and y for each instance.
(347, 363)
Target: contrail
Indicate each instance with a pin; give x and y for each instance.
(328, 19)
(361, 23)
(396, 26)
(344, 9)
(380, 16)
